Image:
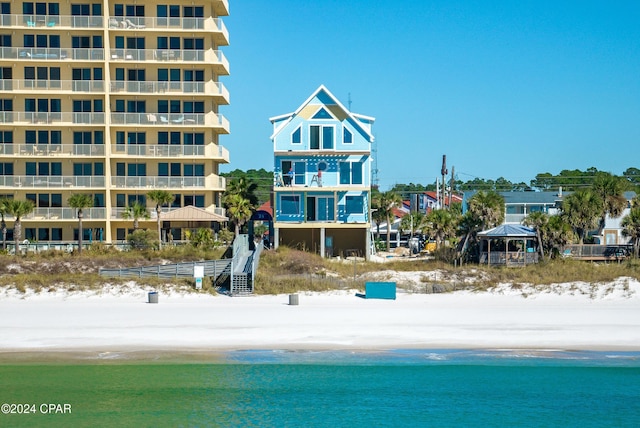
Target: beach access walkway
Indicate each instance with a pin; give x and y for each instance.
(232, 276)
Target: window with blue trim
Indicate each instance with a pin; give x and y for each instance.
(296, 137)
(354, 204)
(290, 204)
(347, 136)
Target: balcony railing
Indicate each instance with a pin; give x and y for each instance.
(53, 85)
(207, 88)
(27, 149)
(210, 56)
(66, 214)
(166, 151)
(158, 182)
(171, 119)
(51, 54)
(168, 23)
(22, 117)
(52, 21)
(210, 182)
(51, 181)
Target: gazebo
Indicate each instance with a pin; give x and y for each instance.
(508, 245)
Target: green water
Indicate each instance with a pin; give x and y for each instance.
(375, 391)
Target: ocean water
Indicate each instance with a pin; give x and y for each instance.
(400, 388)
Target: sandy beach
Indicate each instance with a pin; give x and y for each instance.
(576, 316)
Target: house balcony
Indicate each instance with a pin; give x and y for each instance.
(209, 88)
(210, 182)
(52, 86)
(210, 120)
(51, 22)
(51, 181)
(55, 118)
(211, 57)
(66, 214)
(31, 150)
(51, 54)
(163, 151)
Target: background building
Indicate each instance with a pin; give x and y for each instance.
(111, 99)
(322, 193)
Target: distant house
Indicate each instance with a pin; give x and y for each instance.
(518, 205)
(322, 189)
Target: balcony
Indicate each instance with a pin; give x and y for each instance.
(66, 214)
(211, 57)
(210, 151)
(56, 118)
(51, 21)
(209, 88)
(210, 182)
(51, 54)
(51, 181)
(210, 120)
(208, 25)
(31, 150)
(31, 85)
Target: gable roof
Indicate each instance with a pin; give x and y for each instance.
(191, 213)
(323, 92)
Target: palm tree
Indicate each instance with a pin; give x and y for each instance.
(412, 222)
(3, 225)
(582, 210)
(136, 211)
(441, 224)
(537, 220)
(239, 210)
(80, 201)
(485, 210)
(376, 213)
(387, 202)
(488, 208)
(18, 209)
(160, 197)
(557, 233)
(245, 188)
(631, 228)
(611, 190)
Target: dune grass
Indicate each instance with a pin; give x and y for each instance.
(287, 271)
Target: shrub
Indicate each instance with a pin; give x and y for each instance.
(143, 239)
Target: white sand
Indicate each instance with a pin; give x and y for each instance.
(573, 316)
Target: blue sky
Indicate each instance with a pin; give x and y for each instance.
(504, 89)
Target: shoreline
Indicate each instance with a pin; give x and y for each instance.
(102, 326)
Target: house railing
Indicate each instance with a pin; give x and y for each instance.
(509, 258)
(597, 252)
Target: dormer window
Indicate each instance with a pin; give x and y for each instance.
(296, 136)
(347, 136)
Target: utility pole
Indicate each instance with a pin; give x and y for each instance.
(444, 172)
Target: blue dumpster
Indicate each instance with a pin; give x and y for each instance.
(380, 290)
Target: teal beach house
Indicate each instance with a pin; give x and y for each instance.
(322, 189)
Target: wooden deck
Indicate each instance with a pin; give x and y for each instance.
(598, 253)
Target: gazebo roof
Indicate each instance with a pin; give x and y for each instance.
(508, 230)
